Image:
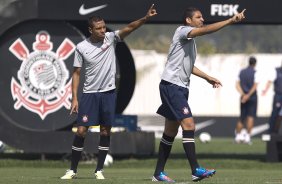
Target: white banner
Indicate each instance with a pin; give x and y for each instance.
(203, 99)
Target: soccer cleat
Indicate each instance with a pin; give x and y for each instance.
(202, 173)
(239, 138)
(248, 139)
(69, 175)
(162, 177)
(99, 175)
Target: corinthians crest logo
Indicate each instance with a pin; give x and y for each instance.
(43, 86)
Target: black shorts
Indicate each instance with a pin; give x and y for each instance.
(174, 101)
(249, 108)
(97, 109)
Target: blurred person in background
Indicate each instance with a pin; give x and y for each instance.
(247, 87)
(276, 115)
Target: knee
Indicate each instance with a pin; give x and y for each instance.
(105, 131)
(188, 126)
(81, 132)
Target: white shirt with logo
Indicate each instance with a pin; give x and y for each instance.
(99, 60)
(181, 58)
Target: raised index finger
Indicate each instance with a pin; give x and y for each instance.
(152, 6)
(243, 11)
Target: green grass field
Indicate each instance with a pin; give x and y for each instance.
(235, 164)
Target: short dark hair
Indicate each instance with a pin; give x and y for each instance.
(94, 19)
(189, 12)
(252, 61)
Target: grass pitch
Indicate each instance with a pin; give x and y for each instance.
(235, 164)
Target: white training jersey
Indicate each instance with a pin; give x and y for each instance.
(99, 60)
(181, 58)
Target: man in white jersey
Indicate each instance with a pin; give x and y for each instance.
(174, 90)
(97, 104)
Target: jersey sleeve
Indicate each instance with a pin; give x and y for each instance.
(78, 58)
(112, 37)
(238, 77)
(183, 32)
(257, 77)
(272, 75)
(117, 37)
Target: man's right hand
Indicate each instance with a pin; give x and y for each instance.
(74, 107)
(238, 17)
(245, 98)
